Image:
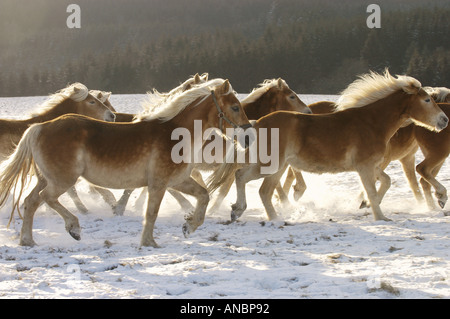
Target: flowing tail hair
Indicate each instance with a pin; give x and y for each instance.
(226, 170)
(15, 171)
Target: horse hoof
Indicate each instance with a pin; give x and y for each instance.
(151, 243)
(441, 203)
(236, 212)
(364, 204)
(186, 230)
(27, 242)
(383, 218)
(118, 210)
(75, 234)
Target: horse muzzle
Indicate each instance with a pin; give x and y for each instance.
(109, 117)
(442, 122)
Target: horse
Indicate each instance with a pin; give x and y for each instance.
(269, 96)
(402, 147)
(118, 156)
(355, 138)
(153, 98)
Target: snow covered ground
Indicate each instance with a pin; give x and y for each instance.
(325, 247)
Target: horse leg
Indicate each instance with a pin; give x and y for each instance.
(184, 203)
(223, 192)
(282, 195)
(121, 204)
(139, 203)
(197, 176)
(107, 196)
(266, 192)
(428, 169)
(385, 183)
(50, 195)
(31, 203)
(243, 176)
(368, 180)
(364, 200)
(155, 196)
(289, 180)
(72, 192)
(300, 185)
(408, 164)
(195, 219)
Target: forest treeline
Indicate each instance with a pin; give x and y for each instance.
(133, 46)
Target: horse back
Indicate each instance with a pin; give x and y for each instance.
(322, 107)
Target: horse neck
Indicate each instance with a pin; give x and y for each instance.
(67, 106)
(388, 114)
(259, 108)
(255, 110)
(193, 112)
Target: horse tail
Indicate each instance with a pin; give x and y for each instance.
(15, 170)
(220, 176)
(227, 169)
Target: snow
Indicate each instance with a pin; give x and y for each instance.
(324, 247)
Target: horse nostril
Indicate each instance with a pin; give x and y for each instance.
(110, 117)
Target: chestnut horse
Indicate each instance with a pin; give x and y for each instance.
(117, 155)
(402, 147)
(371, 110)
(155, 98)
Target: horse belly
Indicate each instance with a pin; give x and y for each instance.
(124, 177)
(320, 163)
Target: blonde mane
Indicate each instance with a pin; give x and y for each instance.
(439, 94)
(102, 96)
(263, 88)
(174, 104)
(155, 99)
(372, 87)
(76, 92)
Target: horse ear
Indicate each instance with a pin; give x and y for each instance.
(204, 76)
(100, 96)
(411, 89)
(76, 89)
(197, 78)
(225, 87)
(280, 83)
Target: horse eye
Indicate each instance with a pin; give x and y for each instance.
(235, 108)
(92, 102)
(292, 97)
(427, 100)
